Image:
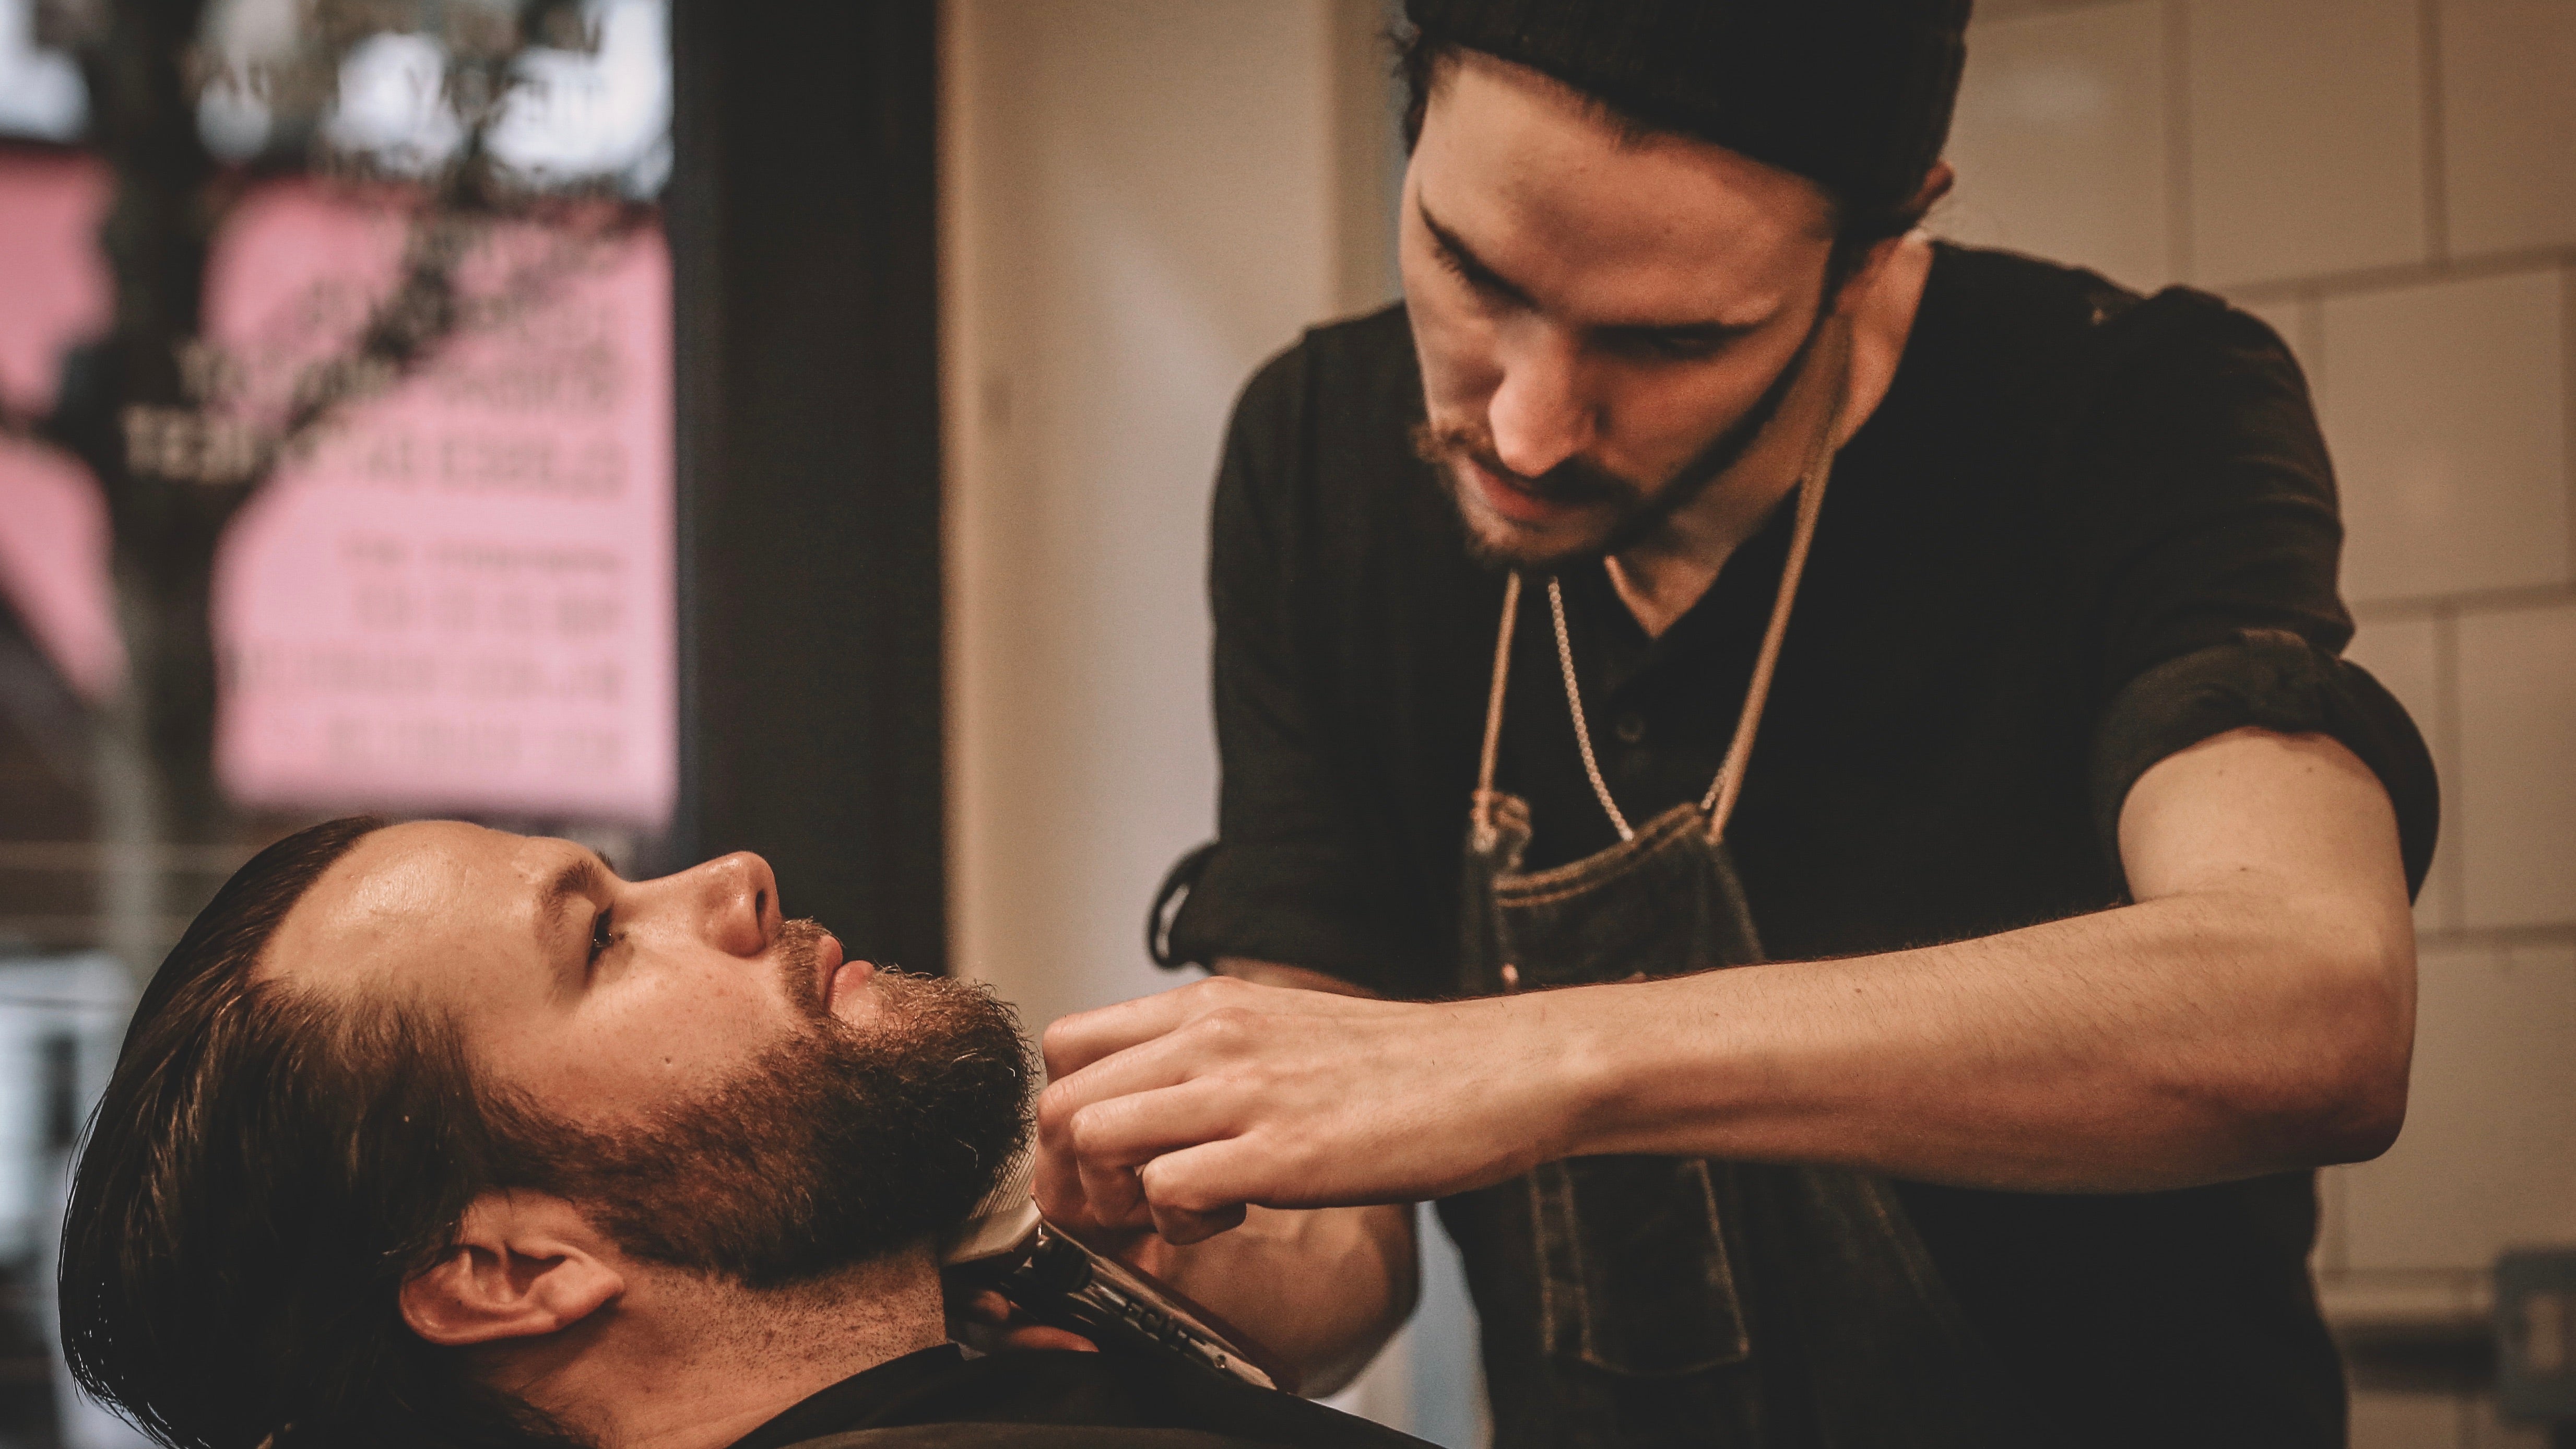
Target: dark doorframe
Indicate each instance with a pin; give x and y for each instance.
(803, 223)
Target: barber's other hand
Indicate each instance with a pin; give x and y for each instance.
(1175, 1110)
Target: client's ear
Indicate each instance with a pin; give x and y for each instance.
(523, 1265)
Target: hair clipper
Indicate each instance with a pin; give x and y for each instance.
(1046, 1273)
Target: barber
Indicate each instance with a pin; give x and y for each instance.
(1701, 569)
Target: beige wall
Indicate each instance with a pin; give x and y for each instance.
(2392, 183)
(1144, 199)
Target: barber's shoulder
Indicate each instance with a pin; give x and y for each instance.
(2017, 305)
(1324, 428)
(1365, 349)
(1345, 369)
(2086, 342)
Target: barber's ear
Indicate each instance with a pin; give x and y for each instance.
(1936, 185)
(523, 1265)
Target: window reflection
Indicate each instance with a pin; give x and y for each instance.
(365, 503)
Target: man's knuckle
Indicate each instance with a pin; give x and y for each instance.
(1106, 1133)
(1171, 1188)
(1227, 1025)
(1085, 1129)
(1056, 1107)
(1057, 1038)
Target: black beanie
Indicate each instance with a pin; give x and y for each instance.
(1854, 95)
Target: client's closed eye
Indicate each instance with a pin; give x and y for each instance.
(602, 932)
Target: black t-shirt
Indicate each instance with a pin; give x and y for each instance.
(2082, 531)
(942, 1386)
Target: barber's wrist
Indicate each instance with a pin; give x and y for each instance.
(1632, 1061)
(1574, 1069)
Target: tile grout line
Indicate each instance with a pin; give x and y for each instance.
(2408, 608)
(2450, 755)
(2496, 938)
(2567, 384)
(2437, 175)
(2180, 254)
(2312, 341)
(2404, 274)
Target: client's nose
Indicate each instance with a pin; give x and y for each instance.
(739, 894)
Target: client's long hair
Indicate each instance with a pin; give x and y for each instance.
(265, 1170)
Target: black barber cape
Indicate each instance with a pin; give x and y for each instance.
(1073, 1390)
(2082, 532)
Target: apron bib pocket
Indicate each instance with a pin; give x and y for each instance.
(1634, 1274)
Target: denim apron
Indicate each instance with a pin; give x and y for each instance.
(1647, 1301)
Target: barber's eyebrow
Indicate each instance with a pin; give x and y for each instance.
(1476, 270)
(1481, 275)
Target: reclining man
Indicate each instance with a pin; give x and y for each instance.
(431, 1135)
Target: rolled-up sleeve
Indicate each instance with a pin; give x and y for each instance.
(2217, 607)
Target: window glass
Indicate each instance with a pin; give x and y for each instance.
(352, 395)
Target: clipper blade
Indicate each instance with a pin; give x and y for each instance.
(1006, 1219)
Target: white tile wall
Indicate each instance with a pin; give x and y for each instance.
(2488, 1157)
(2487, 1430)
(2332, 1249)
(2405, 655)
(2445, 405)
(2060, 140)
(2395, 1419)
(2509, 123)
(2382, 1419)
(2517, 773)
(2307, 137)
(2391, 184)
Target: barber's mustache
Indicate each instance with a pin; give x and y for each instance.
(1573, 482)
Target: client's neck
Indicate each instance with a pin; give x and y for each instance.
(680, 1361)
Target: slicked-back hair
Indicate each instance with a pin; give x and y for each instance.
(265, 1170)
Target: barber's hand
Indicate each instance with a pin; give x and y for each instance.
(1176, 1110)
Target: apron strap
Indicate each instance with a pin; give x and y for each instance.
(1719, 803)
(1479, 810)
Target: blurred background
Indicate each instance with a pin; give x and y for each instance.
(691, 427)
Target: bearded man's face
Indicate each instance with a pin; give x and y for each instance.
(720, 1088)
(833, 1147)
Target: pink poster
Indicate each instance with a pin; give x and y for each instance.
(461, 599)
(53, 527)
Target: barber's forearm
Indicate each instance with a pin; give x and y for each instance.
(1323, 1288)
(2185, 1040)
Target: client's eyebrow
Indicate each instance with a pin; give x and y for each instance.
(580, 879)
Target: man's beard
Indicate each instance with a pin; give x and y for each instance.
(833, 1148)
(1644, 509)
